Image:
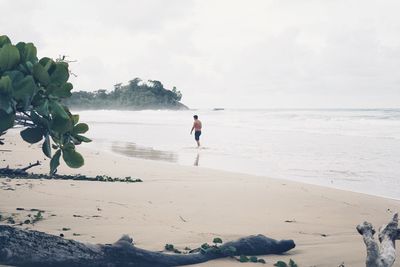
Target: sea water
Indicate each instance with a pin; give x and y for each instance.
(357, 150)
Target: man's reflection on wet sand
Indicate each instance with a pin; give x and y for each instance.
(196, 161)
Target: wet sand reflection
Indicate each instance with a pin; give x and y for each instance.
(133, 150)
(196, 161)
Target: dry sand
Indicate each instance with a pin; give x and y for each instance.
(187, 206)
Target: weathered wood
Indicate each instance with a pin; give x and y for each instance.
(37, 163)
(382, 255)
(19, 171)
(32, 248)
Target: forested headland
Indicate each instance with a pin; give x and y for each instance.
(136, 95)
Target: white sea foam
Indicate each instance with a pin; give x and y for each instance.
(357, 150)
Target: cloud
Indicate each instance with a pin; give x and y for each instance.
(262, 53)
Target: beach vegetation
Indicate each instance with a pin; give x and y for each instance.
(284, 264)
(217, 240)
(37, 217)
(32, 92)
(171, 248)
(135, 95)
(216, 248)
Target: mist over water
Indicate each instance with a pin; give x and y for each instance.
(357, 150)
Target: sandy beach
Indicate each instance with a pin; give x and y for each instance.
(187, 206)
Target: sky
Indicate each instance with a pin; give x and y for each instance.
(224, 53)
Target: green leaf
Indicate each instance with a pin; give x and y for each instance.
(6, 104)
(82, 138)
(39, 120)
(15, 75)
(60, 125)
(4, 40)
(169, 247)
(81, 128)
(253, 259)
(9, 57)
(61, 122)
(243, 258)
(43, 107)
(50, 89)
(5, 85)
(27, 52)
(57, 110)
(217, 240)
(72, 158)
(48, 64)
(60, 75)
(292, 263)
(55, 162)
(6, 120)
(280, 264)
(32, 135)
(63, 91)
(75, 118)
(24, 90)
(46, 146)
(40, 74)
(29, 65)
(23, 68)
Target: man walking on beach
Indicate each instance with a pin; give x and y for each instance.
(197, 129)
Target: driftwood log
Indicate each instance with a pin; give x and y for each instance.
(32, 248)
(382, 255)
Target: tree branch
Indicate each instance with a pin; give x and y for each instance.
(383, 254)
(30, 166)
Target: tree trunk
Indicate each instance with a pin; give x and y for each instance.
(32, 248)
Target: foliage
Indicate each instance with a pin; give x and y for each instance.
(216, 248)
(135, 95)
(244, 258)
(37, 217)
(34, 89)
(217, 240)
(170, 247)
(284, 264)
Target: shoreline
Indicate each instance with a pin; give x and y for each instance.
(354, 151)
(111, 153)
(187, 206)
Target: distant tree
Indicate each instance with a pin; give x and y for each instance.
(117, 86)
(178, 94)
(101, 94)
(156, 84)
(135, 95)
(134, 83)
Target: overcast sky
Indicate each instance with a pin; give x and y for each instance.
(225, 53)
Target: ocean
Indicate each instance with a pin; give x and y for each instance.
(350, 149)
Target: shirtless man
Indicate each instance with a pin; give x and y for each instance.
(197, 129)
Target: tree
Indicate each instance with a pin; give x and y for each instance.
(134, 83)
(135, 95)
(178, 94)
(31, 91)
